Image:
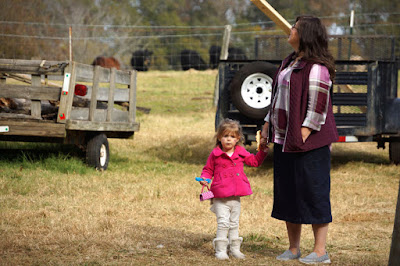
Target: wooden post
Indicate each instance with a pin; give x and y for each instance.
(225, 42)
(268, 10)
(110, 102)
(394, 257)
(93, 97)
(222, 56)
(132, 97)
(36, 108)
(67, 93)
(70, 96)
(70, 43)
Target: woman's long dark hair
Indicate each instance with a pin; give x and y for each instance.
(314, 42)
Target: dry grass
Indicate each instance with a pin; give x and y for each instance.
(145, 210)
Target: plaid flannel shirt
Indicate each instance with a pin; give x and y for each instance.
(318, 101)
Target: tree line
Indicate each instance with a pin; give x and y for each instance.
(117, 28)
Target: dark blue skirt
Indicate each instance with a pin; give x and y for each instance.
(302, 186)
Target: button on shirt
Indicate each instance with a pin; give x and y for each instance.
(318, 101)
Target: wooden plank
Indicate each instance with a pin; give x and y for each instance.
(111, 96)
(122, 77)
(56, 78)
(120, 95)
(40, 128)
(31, 66)
(29, 70)
(23, 62)
(79, 113)
(70, 96)
(85, 73)
(28, 79)
(100, 126)
(30, 92)
(19, 117)
(65, 100)
(93, 97)
(36, 107)
(132, 97)
(268, 10)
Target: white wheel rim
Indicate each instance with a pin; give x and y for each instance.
(256, 90)
(103, 155)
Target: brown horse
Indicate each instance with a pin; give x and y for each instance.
(107, 62)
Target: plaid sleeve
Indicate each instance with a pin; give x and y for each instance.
(318, 97)
(267, 118)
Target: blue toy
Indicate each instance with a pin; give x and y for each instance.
(202, 179)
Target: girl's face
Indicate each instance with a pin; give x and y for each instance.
(229, 141)
(294, 38)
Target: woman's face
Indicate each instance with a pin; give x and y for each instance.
(294, 38)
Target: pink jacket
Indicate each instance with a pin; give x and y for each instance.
(229, 177)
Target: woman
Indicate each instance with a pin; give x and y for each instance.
(302, 126)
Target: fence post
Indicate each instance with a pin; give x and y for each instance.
(223, 56)
(394, 257)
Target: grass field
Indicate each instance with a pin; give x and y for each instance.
(145, 209)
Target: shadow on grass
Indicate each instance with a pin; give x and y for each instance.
(342, 157)
(58, 157)
(55, 157)
(192, 150)
(193, 246)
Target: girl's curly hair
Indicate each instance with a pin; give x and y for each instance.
(228, 126)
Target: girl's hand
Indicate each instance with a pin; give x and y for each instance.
(264, 145)
(203, 183)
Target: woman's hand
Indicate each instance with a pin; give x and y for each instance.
(305, 132)
(264, 131)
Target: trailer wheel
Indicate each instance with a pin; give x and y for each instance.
(394, 152)
(251, 89)
(97, 152)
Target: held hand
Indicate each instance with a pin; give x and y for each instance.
(264, 145)
(264, 131)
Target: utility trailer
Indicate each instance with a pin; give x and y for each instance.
(365, 99)
(89, 105)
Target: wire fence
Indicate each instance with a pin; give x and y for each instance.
(163, 48)
(343, 47)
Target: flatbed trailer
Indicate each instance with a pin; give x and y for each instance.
(90, 104)
(365, 99)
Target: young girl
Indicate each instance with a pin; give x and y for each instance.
(225, 167)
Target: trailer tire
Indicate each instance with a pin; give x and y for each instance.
(251, 89)
(98, 152)
(394, 152)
